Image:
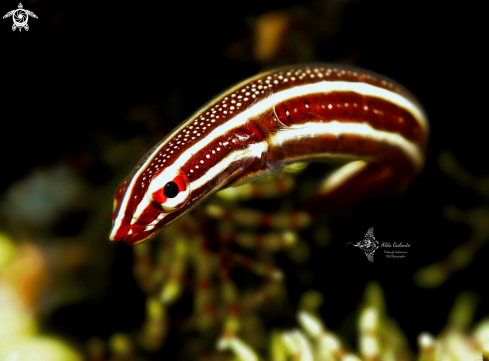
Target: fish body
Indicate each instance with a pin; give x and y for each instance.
(301, 113)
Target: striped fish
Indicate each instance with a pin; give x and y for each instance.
(292, 114)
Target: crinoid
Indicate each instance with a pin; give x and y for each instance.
(379, 337)
(461, 256)
(206, 248)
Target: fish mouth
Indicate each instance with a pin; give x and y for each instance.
(137, 232)
(116, 239)
(118, 235)
(120, 232)
(133, 238)
(138, 237)
(127, 232)
(132, 233)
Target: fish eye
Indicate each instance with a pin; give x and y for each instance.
(169, 191)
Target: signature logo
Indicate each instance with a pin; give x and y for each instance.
(368, 244)
(20, 17)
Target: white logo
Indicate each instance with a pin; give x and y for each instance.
(368, 244)
(20, 17)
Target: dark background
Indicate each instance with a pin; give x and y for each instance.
(83, 65)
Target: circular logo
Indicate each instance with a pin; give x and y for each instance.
(20, 17)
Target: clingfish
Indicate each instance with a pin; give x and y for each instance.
(303, 113)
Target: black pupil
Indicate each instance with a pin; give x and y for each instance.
(171, 190)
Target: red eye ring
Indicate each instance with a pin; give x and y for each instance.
(168, 198)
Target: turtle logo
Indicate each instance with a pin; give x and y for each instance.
(368, 244)
(20, 17)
